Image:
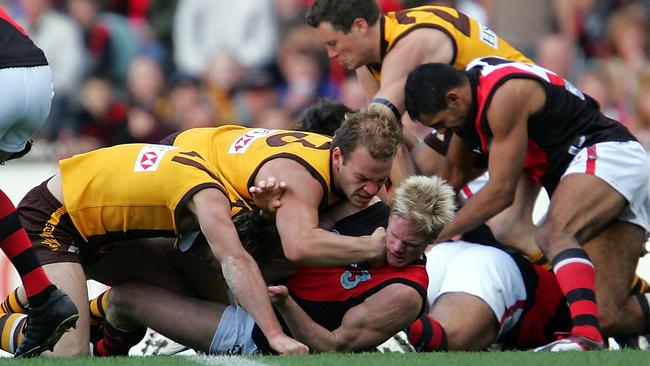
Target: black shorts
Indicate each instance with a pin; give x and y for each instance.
(54, 237)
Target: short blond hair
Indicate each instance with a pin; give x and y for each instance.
(427, 203)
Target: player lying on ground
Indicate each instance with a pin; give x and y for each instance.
(347, 308)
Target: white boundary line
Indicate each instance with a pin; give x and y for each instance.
(224, 360)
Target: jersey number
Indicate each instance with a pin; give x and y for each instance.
(278, 140)
(461, 23)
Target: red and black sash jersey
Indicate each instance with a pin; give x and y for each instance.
(326, 294)
(568, 122)
(545, 311)
(16, 49)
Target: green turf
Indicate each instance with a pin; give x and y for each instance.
(622, 358)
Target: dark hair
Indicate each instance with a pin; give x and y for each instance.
(426, 87)
(257, 233)
(324, 117)
(342, 13)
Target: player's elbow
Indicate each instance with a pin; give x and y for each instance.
(295, 251)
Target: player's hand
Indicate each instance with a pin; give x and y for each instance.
(267, 194)
(285, 345)
(278, 294)
(378, 240)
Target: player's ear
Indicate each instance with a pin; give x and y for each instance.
(452, 98)
(337, 157)
(360, 25)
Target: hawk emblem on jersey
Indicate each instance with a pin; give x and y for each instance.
(241, 144)
(350, 280)
(150, 156)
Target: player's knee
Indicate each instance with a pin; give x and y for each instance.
(461, 339)
(120, 299)
(552, 235)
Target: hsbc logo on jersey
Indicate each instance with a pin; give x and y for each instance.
(150, 156)
(243, 142)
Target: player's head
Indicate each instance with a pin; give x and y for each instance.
(438, 96)
(324, 117)
(362, 152)
(422, 207)
(343, 25)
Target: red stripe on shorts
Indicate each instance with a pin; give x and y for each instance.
(468, 192)
(591, 160)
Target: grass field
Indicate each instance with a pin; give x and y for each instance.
(622, 358)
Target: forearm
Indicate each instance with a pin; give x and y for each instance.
(403, 166)
(476, 211)
(323, 248)
(304, 329)
(247, 285)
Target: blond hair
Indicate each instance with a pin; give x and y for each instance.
(427, 203)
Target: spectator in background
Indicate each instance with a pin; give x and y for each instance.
(102, 118)
(161, 20)
(275, 118)
(533, 21)
(640, 123)
(220, 80)
(61, 40)
(110, 43)
(149, 109)
(304, 81)
(596, 82)
(627, 37)
(290, 13)
(352, 94)
(205, 28)
(556, 53)
(303, 39)
(255, 96)
(133, 9)
(189, 106)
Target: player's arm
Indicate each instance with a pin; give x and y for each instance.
(508, 115)
(369, 84)
(239, 269)
(403, 167)
(297, 222)
(419, 47)
(457, 167)
(364, 326)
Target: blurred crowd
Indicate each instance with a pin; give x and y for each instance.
(137, 70)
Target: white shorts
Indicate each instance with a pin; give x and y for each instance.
(234, 333)
(485, 272)
(474, 185)
(25, 99)
(625, 167)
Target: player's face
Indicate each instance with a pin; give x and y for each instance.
(360, 176)
(402, 244)
(442, 121)
(347, 49)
